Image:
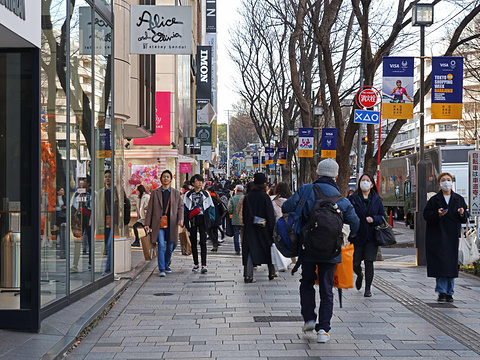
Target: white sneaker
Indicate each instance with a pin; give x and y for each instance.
(204, 269)
(308, 326)
(162, 274)
(322, 336)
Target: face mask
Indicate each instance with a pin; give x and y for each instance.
(446, 185)
(365, 185)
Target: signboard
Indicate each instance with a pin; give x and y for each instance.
(367, 117)
(329, 143)
(269, 155)
(204, 133)
(397, 88)
(191, 146)
(474, 174)
(206, 114)
(367, 98)
(162, 121)
(204, 72)
(255, 161)
(104, 147)
(185, 168)
(263, 161)
(211, 16)
(305, 142)
(282, 155)
(161, 29)
(447, 84)
(206, 153)
(102, 40)
(22, 18)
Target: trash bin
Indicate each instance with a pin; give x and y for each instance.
(10, 261)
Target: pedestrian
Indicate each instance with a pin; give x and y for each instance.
(80, 221)
(281, 193)
(60, 221)
(236, 222)
(369, 208)
(444, 214)
(199, 216)
(142, 204)
(327, 171)
(220, 213)
(259, 221)
(164, 201)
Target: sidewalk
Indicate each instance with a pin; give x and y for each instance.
(217, 316)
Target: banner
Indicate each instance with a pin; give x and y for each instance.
(282, 155)
(162, 122)
(204, 133)
(204, 72)
(329, 143)
(447, 87)
(269, 155)
(211, 16)
(397, 88)
(255, 161)
(104, 148)
(263, 161)
(185, 168)
(161, 29)
(305, 142)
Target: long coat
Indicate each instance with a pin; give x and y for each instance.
(375, 210)
(257, 240)
(155, 212)
(442, 234)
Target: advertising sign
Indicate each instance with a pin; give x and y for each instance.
(206, 153)
(305, 142)
(161, 29)
(104, 147)
(162, 121)
(191, 146)
(255, 161)
(269, 155)
(474, 173)
(397, 88)
(204, 72)
(211, 16)
(447, 87)
(367, 117)
(329, 142)
(103, 33)
(185, 168)
(263, 161)
(282, 155)
(204, 133)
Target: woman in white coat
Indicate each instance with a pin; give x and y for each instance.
(142, 205)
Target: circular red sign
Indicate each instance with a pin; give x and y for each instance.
(367, 98)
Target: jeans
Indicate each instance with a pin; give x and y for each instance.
(161, 248)
(200, 226)
(108, 241)
(307, 293)
(236, 237)
(445, 285)
(169, 247)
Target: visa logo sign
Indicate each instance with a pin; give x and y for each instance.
(395, 66)
(444, 65)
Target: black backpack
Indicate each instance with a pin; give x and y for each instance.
(322, 235)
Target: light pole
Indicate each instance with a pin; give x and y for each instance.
(422, 15)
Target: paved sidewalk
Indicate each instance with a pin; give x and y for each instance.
(189, 315)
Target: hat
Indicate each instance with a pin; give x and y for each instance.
(259, 179)
(239, 188)
(327, 167)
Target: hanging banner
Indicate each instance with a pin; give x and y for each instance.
(255, 161)
(162, 121)
(263, 161)
(269, 155)
(161, 29)
(282, 155)
(329, 143)
(397, 88)
(204, 133)
(104, 147)
(204, 72)
(474, 189)
(211, 16)
(447, 87)
(305, 142)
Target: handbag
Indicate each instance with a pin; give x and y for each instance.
(257, 220)
(384, 235)
(280, 262)
(76, 224)
(468, 247)
(343, 275)
(164, 218)
(185, 244)
(149, 248)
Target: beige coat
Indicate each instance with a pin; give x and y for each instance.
(155, 212)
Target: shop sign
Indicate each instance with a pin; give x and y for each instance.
(282, 155)
(206, 153)
(204, 72)
(447, 87)
(397, 87)
(204, 133)
(211, 16)
(161, 29)
(305, 142)
(15, 6)
(162, 121)
(103, 33)
(185, 168)
(329, 143)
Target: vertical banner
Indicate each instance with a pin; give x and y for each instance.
(104, 148)
(211, 20)
(397, 88)
(447, 87)
(305, 142)
(269, 154)
(474, 174)
(263, 161)
(282, 155)
(204, 72)
(255, 161)
(162, 122)
(329, 143)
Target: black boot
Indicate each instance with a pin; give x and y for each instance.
(136, 243)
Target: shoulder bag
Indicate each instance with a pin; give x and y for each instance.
(384, 235)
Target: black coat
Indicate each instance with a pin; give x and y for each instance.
(257, 240)
(375, 210)
(442, 234)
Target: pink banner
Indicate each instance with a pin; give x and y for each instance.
(162, 122)
(185, 168)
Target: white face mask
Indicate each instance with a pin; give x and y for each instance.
(446, 185)
(365, 185)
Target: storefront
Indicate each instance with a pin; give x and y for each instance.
(60, 184)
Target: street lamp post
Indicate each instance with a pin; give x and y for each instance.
(422, 15)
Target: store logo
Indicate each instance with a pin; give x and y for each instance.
(15, 6)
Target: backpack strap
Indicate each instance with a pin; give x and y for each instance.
(319, 195)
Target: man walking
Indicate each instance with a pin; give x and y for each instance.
(306, 197)
(236, 223)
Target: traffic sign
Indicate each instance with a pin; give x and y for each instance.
(367, 98)
(367, 117)
(474, 188)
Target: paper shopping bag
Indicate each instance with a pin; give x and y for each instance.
(149, 248)
(185, 244)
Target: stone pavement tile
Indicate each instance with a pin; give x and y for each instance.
(142, 356)
(238, 331)
(411, 345)
(448, 345)
(263, 346)
(209, 337)
(175, 348)
(130, 333)
(146, 349)
(178, 338)
(101, 356)
(193, 332)
(331, 345)
(219, 347)
(186, 355)
(134, 339)
(155, 339)
(106, 349)
(364, 353)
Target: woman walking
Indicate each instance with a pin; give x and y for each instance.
(444, 213)
(259, 220)
(369, 208)
(142, 204)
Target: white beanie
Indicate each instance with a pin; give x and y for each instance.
(327, 167)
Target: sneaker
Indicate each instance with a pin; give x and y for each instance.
(309, 326)
(449, 298)
(215, 248)
(442, 298)
(196, 268)
(322, 336)
(162, 274)
(204, 269)
(74, 269)
(221, 241)
(168, 270)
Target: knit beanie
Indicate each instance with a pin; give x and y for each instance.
(327, 167)
(259, 179)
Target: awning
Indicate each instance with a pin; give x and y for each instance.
(135, 132)
(186, 159)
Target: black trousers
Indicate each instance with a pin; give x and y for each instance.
(199, 225)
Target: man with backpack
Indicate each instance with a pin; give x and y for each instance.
(322, 214)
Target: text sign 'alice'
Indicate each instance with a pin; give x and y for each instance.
(160, 29)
